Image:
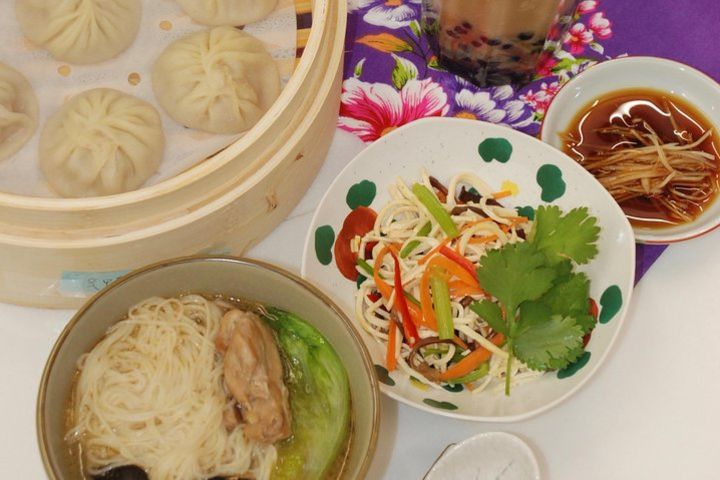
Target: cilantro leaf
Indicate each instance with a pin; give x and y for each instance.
(570, 236)
(563, 269)
(584, 321)
(491, 313)
(514, 274)
(570, 297)
(545, 341)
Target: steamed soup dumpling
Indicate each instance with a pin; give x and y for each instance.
(227, 12)
(220, 81)
(18, 111)
(80, 31)
(101, 142)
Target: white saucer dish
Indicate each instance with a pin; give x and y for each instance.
(678, 79)
(486, 456)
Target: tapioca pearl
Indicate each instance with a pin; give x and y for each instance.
(507, 46)
(467, 26)
(494, 42)
(524, 36)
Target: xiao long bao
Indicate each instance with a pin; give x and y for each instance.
(101, 142)
(220, 80)
(80, 31)
(18, 111)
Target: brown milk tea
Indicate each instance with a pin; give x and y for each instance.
(494, 42)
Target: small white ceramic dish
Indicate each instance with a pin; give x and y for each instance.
(542, 174)
(486, 456)
(676, 78)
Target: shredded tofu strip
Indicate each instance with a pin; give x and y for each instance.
(483, 226)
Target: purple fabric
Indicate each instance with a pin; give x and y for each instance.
(392, 78)
(683, 31)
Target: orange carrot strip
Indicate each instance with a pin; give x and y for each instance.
(454, 269)
(459, 259)
(432, 252)
(426, 303)
(505, 228)
(459, 289)
(501, 194)
(384, 287)
(386, 290)
(485, 239)
(471, 361)
(390, 360)
(416, 316)
(459, 342)
(517, 220)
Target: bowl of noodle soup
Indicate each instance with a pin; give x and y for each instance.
(135, 380)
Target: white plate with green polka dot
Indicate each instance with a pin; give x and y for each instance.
(538, 175)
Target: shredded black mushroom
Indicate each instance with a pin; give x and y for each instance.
(464, 208)
(128, 472)
(422, 367)
(465, 302)
(437, 185)
(471, 196)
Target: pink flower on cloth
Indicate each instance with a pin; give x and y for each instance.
(587, 6)
(550, 89)
(536, 100)
(392, 13)
(371, 110)
(540, 101)
(600, 26)
(546, 64)
(578, 37)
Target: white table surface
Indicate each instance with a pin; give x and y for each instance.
(650, 412)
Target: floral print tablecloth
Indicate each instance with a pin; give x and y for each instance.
(392, 77)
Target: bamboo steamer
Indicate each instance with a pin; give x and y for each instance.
(56, 252)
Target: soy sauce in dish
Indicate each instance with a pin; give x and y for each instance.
(619, 138)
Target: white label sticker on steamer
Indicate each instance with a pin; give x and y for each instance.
(82, 284)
